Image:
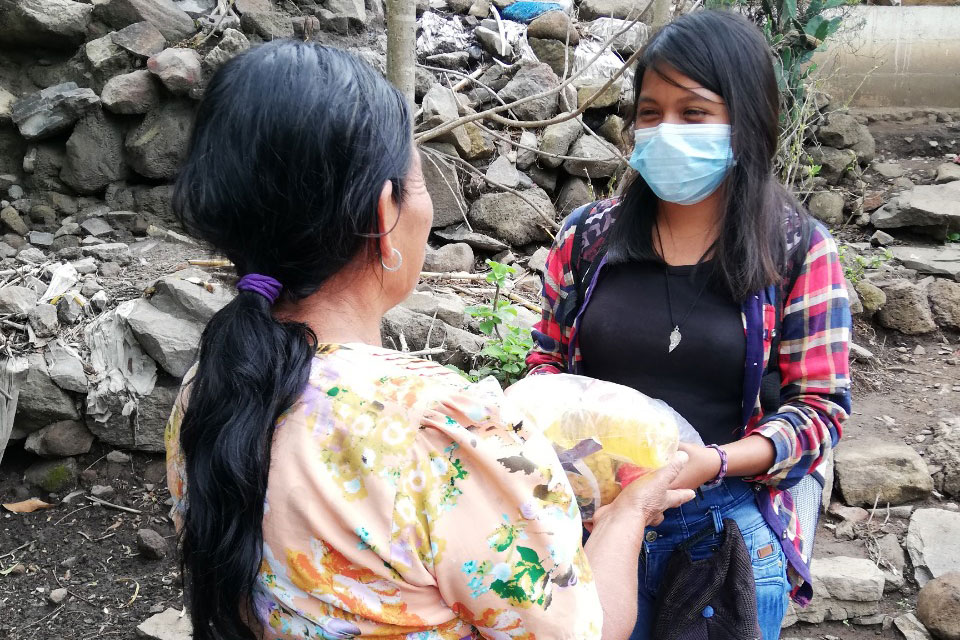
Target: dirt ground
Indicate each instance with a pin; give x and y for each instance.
(91, 550)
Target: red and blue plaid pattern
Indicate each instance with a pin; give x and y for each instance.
(813, 361)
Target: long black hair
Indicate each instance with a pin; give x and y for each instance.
(725, 53)
(292, 145)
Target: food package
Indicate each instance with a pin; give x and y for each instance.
(606, 435)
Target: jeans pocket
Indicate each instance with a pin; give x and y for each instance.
(770, 576)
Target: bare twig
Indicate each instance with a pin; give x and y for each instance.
(104, 503)
(13, 551)
(467, 79)
(36, 622)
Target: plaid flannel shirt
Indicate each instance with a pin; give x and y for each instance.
(813, 361)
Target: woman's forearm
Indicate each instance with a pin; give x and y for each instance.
(750, 456)
(613, 550)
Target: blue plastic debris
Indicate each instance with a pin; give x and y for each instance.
(526, 11)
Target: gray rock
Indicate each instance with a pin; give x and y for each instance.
(555, 25)
(623, 9)
(881, 239)
(526, 157)
(557, 139)
(58, 595)
(43, 320)
(439, 106)
(15, 192)
(856, 307)
(843, 588)
(97, 227)
(533, 79)
(150, 419)
(866, 146)
(134, 92)
(574, 193)
(604, 99)
(31, 255)
(629, 40)
(105, 59)
(70, 308)
(612, 130)
(932, 209)
(52, 476)
(840, 131)
(169, 340)
(938, 606)
(554, 54)
(60, 439)
(57, 24)
(108, 251)
(892, 559)
(268, 25)
(94, 154)
(17, 300)
(348, 15)
(65, 368)
(12, 221)
(945, 453)
(168, 625)
(460, 346)
(189, 294)
(41, 401)
(158, 146)
(945, 303)
(479, 241)
(231, 43)
(503, 172)
(872, 297)
(511, 219)
(52, 110)
(151, 544)
(933, 542)
(889, 170)
(948, 172)
(866, 469)
(600, 158)
(538, 261)
(907, 309)
(178, 69)
(450, 258)
(141, 39)
(6, 251)
(168, 18)
(101, 491)
(443, 184)
(471, 142)
(41, 239)
(493, 43)
(448, 307)
(833, 162)
(936, 261)
(827, 206)
(911, 628)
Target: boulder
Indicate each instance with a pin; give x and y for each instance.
(907, 309)
(872, 471)
(178, 69)
(448, 307)
(41, 401)
(142, 39)
(841, 131)
(627, 43)
(450, 258)
(105, 60)
(17, 300)
(52, 110)
(945, 303)
(52, 476)
(843, 588)
(511, 219)
(168, 339)
(439, 106)
(134, 92)
(443, 184)
(189, 294)
(833, 162)
(60, 439)
(479, 241)
(530, 80)
(554, 25)
(167, 17)
(158, 147)
(55, 24)
(574, 193)
(150, 419)
(872, 297)
(503, 172)
(933, 209)
(606, 98)
(612, 130)
(554, 54)
(65, 367)
(94, 154)
(827, 206)
(460, 346)
(933, 542)
(948, 172)
(557, 139)
(348, 15)
(596, 158)
(231, 43)
(622, 9)
(938, 606)
(935, 261)
(866, 146)
(269, 25)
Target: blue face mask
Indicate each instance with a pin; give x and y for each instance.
(683, 163)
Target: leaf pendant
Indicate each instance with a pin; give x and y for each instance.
(675, 338)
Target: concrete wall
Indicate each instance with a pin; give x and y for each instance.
(895, 57)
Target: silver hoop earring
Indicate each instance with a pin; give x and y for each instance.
(399, 261)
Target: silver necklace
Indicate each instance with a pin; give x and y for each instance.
(675, 335)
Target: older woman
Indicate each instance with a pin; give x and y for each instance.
(327, 487)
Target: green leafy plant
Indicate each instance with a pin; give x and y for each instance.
(953, 237)
(504, 355)
(855, 265)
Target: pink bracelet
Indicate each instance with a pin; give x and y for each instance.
(723, 466)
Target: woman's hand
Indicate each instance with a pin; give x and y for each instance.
(703, 467)
(643, 501)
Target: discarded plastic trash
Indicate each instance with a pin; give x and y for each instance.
(526, 12)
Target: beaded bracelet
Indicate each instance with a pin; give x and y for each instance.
(723, 466)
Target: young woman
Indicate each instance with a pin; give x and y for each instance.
(680, 287)
(326, 487)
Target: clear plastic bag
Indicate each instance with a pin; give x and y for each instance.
(606, 435)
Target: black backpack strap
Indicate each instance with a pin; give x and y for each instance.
(580, 264)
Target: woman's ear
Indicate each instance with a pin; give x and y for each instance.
(388, 214)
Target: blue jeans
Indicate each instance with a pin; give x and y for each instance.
(733, 499)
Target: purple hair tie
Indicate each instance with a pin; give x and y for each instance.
(266, 286)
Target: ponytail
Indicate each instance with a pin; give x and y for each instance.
(252, 369)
